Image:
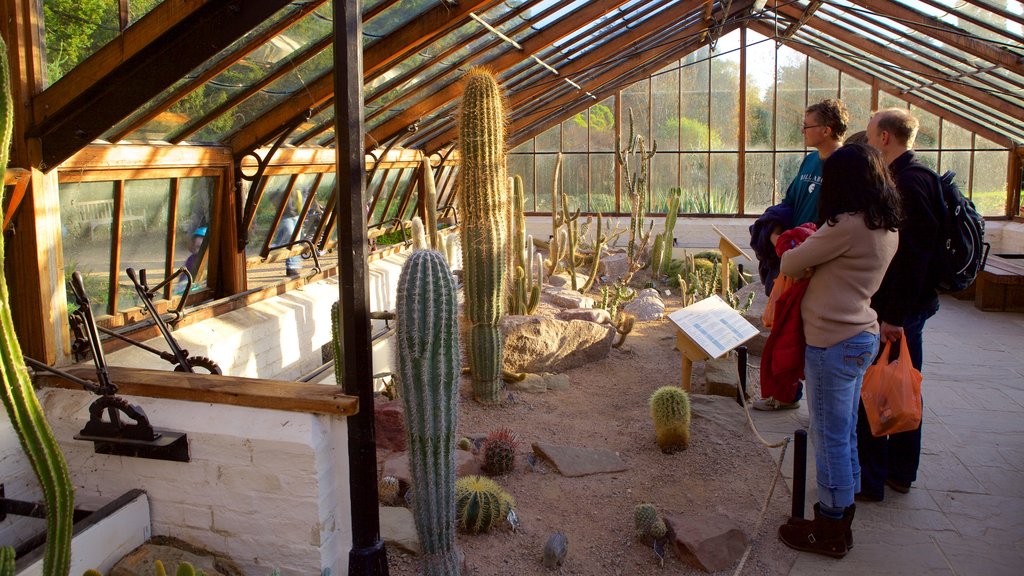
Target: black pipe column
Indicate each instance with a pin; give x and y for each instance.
(368, 556)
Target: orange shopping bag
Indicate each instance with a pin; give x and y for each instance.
(892, 393)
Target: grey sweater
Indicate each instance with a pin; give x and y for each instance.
(849, 261)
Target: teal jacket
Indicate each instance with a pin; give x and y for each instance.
(802, 194)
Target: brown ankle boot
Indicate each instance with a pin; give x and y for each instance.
(822, 535)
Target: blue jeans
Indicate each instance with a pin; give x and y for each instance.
(834, 377)
(896, 456)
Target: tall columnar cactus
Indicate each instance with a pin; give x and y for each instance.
(19, 397)
(7, 561)
(525, 290)
(661, 255)
(429, 200)
(428, 377)
(339, 366)
(484, 207)
(670, 410)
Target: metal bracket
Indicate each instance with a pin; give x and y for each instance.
(138, 440)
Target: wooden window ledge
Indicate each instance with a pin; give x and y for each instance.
(232, 390)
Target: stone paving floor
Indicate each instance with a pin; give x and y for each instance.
(965, 514)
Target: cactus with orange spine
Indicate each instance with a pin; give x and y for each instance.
(525, 294)
(428, 377)
(19, 397)
(484, 207)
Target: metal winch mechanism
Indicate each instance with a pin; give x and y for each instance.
(126, 429)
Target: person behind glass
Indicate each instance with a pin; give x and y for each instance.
(907, 297)
(285, 229)
(845, 260)
(191, 263)
(824, 126)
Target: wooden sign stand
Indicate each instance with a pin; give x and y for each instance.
(729, 250)
(691, 353)
(708, 329)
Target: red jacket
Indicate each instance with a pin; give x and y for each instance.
(782, 362)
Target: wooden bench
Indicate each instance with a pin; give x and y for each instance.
(1000, 286)
(99, 213)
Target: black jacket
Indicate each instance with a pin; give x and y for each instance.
(780, 215)
(909, 283)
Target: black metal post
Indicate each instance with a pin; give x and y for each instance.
(368, 556)
(799, 473)
(741, 366)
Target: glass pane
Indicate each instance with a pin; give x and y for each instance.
(665, 109)
(760, 91)
(724, 195)
(928, 132)
(139, 8)
(694, 181)
(575, 172)
(787, 166)
(74, 31)
(960, 163)
(86, 214)
(192, 228)
(296, 200)
(273, 194)
(545, 176)
(886, 100)
(857, 97)
(549, 140)
(524, 147)
(954, 137)
(602, 183)
(574, 133)
(989, 186)
(143, 236)
(602, 126)
(404, 188)
(725, 95)
(383, 181)
(316, 210)
(822, 82)
(664, 176)
(791, 103)
(693, 89)
(929, 158)
(394, 17)
(522, 165)
(981, 143)
(635, 98)
(758, 183)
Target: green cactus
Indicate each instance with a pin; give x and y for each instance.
(89, 572)
(556, 248)
(481, 504)
(465, 444)
(484, 201)
(429, 200)
(623, 326)
(339, 368)
(644, 517)
(670, 410)
(661, 255)
(638, 190)
(500, 451)
(525, 292)
(387, 490)
(19, 396)
(7, 560)
(658, 530)
(428, 378)
(613, 296)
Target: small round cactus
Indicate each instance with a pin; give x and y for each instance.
(465, 444)
(644, 517)
(658, 529)
(500, 451)
(480, 504)
(670, 410)
(387, 490)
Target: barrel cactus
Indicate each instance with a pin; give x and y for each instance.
(428, 377)
(19, 397)
(481, 504)
(387, 490)
(484, 209)
(670, 410)
(500, 451)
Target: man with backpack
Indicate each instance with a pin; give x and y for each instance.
(907, 297)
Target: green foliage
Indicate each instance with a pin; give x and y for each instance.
(670, 411)
(500, 452)
(481, 504)
(601, 118)
(19, 397)
(428, 374)
(483, 210)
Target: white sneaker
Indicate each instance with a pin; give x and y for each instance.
(769, 404)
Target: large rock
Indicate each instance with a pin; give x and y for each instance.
(389, 425)
(722, 376)
(398, 529)
(563, 280)
(397, 465)
(538, 344)
(613, 267)
(711, 543)
(646, 308)
(573, 461)
(140, 562)
(566, 298)
(599, 315)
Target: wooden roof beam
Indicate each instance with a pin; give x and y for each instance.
(801, 18)
(939, 111)
(939, 30)
(651, 26)
(877, 50)
(135, 67)
(531, 46)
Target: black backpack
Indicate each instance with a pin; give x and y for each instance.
(962, 253)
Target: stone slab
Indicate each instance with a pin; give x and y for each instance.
(398, 528)
(574, 461)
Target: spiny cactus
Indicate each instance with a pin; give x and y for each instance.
(184, 569)
(670, 410)
(429, 199)
(89, 572)
(387, 490)
(638, 190)
(419, 236)
(428, 378)
(339, 367)
(623, 326)
(525, 291)
(481, 504)
(613, 296)
(500, 451)
(7, 561)
(661, 254)
(19, 396)
(644, 517)
(465, 444)
(484, 201)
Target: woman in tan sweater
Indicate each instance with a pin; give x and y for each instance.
(845, 260)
